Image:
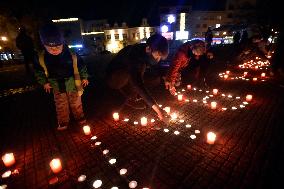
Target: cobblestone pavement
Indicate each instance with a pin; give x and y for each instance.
(247, 153)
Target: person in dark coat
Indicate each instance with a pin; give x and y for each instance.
(25, 43)
(126, 71)
(208, 37)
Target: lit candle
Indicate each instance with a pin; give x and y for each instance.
(143, 121)
(227, 72)
(180, 97)
(122, 171)
(174, 116)
(211, 137)
(226, 76)
(248, 97)
(87, 130)
(115, 116)
(262, 74)
(8, 159)
(97, 183)
(167, 109)
(55, 165)
(132, 184)
(213, 105)
(215, 91)
(245, 73)
(82, 178)
(188, 87)
(254, 79)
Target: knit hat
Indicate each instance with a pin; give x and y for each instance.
(51, 35)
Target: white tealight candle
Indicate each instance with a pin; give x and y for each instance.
(132, 184)
(97, 183)
(115, 116)
(55, 165)
(166, 130)
(122, 171)
(188, 87)
(192, 137)
(112, 161)
(167, 109)
(213, 105)
(211, 137)
(226, 76)
(176, 132)
(144, 121)
(248, 97)
(254, 79)
(187, 125)
(174, 116)
(6, 174)
(106, 151)
(8, 159)
(87, 130)
(180, 97)
(262, 74)
(227, 72)
(215, 91)
(82, 178)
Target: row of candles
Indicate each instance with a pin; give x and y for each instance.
(56, 165)
(255, 64)
(9, 160)
(213, 104)
(211, 136)
(243, 77)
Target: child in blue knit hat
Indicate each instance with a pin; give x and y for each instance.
(62, 72)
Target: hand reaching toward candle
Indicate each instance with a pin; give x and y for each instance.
(85, 82)
(159, 112)
(47, 87)
(171, 87)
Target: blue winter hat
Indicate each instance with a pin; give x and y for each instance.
(51, 35)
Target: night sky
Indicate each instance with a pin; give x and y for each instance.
(130, 11)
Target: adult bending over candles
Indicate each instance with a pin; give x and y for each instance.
(189, 65)
(126, 71)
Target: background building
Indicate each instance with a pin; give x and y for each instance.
(173, 22)
(118, 37)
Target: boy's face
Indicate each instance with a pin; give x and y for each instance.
(158, 56)
(56, 50)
